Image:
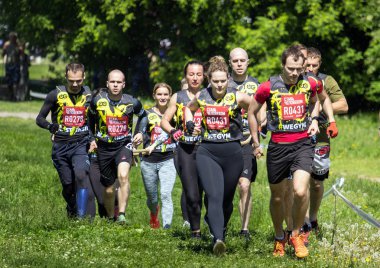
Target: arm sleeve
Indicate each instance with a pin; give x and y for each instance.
(333, 90)
(142, 121)
(263, 92)
(45, 109)
(316, 86)
(91, 117)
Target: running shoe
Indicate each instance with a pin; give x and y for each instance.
(167, 226)
(300, 249)
(314, 226)
(279, 247)
(121, 219)
(305, 233)
(196, 235)
(245, 234)
(219, 248)
(154, 222)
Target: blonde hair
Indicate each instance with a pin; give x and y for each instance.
(217, 63)
(158, 85)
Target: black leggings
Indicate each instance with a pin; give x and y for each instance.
(187, 171)
(219, 166)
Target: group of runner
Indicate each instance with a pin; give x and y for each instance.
(196, 132)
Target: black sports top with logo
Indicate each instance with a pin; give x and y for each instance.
(179, 118)
(248, 86)
(69, 111)
(221, 118)
(163, 151)
(112, 121)
(288, 107)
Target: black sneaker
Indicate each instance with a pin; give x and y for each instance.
(245, 234)
(167, 226)
(196, 235)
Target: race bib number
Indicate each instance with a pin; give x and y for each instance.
(197, 119)
(217, 117)
(293, 106)
(156, 132)
(117, 126)
(74, 116)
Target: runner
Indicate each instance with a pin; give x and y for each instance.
(187, 144)
(321, 163)
(221, 134)
(70, 135)
(293, 109)
(243, 82)
(11, 54)
(158, 166)
(111, 119)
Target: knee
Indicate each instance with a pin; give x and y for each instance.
(244, 187)
(300, 192)
(316, 186)
(166, 196)
(123, 178)
(109, 191)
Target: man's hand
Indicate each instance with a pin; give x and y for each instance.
(176, 134)
(93, 146)
(313, 128)
(53, 128)
(332, 130)
(137, 139)
(257, 150)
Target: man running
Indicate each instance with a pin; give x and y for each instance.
(241, 81)
(12, 53)
(321, 163)
(293, 109)
(70, 135)
(111, 119)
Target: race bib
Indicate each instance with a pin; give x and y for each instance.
(293, 106)
(74, 116)
(117, 126)
(217, 117)
(197, 119)
(156, 132)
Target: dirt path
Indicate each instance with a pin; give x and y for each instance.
(23, 115)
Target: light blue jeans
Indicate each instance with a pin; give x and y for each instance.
(165, 173)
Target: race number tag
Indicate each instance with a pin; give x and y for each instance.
(156, 132)
(198, 118)
(74, 116)
(217, 117)
(117, 126)
(293, 106)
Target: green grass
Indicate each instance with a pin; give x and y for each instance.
(34, 231)
(33, 106)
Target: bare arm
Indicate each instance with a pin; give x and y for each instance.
(169, 114)
(253, 111)
(243, 100)
(314, 112)
(340, 106)
(326, 105)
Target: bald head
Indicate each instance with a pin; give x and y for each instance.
(117, 73)
(239, 64)
(238, 52)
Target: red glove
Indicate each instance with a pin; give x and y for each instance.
(176, 134)
(332, 130)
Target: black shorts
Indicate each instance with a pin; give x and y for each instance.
(71, 160)
(284, 159)
(250, 164)
(110, 155)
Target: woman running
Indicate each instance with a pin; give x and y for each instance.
(219, 157)
(158, 165)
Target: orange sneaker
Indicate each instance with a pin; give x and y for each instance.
(300, 249)
(154, 222)
(305, 233)
(279, 247)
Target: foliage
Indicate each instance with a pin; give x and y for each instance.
(123, 33)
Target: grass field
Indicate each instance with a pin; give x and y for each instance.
(34, 230)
